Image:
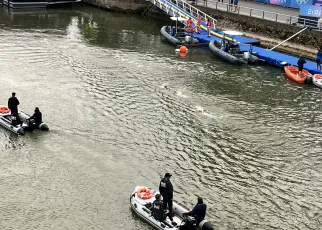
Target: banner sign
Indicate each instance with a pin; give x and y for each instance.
(312, 11)
(293, 3)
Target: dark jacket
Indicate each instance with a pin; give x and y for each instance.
(301, 62)
(157, 210)
(13, 103)
(165, 188)
(37, 117)
(198, 212)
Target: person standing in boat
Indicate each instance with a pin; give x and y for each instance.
(37, 116)
(300, 64)
(209, 26)
(199, 211)
(166, 190)
(13, 103)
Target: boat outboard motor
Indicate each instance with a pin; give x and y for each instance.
(187, 39)
(246, 56)
(308, 80)
(189, 222)
(31, 124)
(43, 127)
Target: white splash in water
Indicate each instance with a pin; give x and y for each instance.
(180, 93)
(203, 112)
(199, 109)
(119, 58)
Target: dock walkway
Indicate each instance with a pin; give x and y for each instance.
(173, 8)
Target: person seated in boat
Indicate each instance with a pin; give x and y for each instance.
(37, 117)
(300, 64)
(226, 46)
(174, 32)
(13, 103)
(171, 31)
(234, 48)
(158, 211)
(15, 120)
(199, 211)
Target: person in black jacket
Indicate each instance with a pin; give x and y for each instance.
(199, 211)
(37, 116)
(158, 211)
(157, 208)
(13, 103)
(166, 190)
(301, 63)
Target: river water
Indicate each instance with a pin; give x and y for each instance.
(124, 108)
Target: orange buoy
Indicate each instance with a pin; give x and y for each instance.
(182, 54)
(144, 193)
(4, 110)
(183, 49)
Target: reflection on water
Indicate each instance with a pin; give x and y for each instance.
(124, 108)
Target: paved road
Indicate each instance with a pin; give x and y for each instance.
(255, 9)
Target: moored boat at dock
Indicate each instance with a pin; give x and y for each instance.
(293, 73)
(231, 52)
(18, 4)
(217, 49)
(317, 80)
(178, 36)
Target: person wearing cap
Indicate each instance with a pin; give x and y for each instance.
(37, 116)
(166, 190)
(199, 211)
(13, 103)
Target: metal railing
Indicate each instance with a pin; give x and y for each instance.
(184, 6)
(266, 15)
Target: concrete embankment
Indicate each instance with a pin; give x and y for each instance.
(270, 33)
(124, 6)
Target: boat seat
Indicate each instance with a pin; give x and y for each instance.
(181, 34)
(234, 50)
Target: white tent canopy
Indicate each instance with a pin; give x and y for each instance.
(231, 32)
(180, 19)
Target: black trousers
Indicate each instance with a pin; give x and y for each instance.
(167, 202)
(14, 111)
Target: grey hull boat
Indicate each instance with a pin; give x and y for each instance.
(232, 53)
(178, 36)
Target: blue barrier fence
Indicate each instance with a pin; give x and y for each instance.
(292, 3)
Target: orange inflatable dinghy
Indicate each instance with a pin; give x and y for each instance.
(293, 73)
